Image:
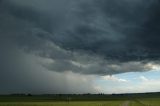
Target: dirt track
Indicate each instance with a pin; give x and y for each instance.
(126, 103)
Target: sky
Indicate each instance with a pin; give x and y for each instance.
(79, 46)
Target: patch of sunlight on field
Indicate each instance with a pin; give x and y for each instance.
(98, 103)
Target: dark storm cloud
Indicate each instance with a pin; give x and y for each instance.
(76, 36)
(117, 30)
(114, 29)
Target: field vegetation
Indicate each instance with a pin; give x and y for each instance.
(149, 99)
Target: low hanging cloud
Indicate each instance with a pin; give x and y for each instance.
(114, 79)
(85, 37)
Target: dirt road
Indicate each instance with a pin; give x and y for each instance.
(126, 103)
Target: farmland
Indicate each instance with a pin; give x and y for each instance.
(96, 103)
(151, 99)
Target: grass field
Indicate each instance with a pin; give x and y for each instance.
(85, 103)
(151, 101)
(81, 100)
(96, 103)
(80, 103)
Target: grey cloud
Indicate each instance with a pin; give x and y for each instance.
(61, 60)
(87, 27)
(23, 73)
(85, 37)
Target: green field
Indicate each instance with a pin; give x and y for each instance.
(81, 100)
(80, 103)
(84, 103)
(151, 101)
(96, 103)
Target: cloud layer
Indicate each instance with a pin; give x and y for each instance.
(85, 37)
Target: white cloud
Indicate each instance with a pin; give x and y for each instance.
(153, 66)
(143, 78)
(113, 78)
(152, 85)
(136, 85)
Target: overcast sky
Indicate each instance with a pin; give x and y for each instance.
(79, 46)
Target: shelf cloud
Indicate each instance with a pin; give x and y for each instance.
(86, 37)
